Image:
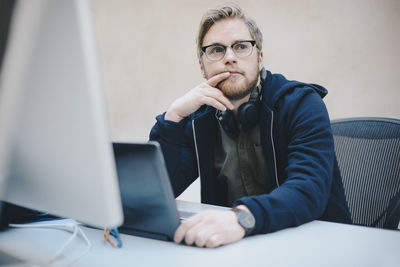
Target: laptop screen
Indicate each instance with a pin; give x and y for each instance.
(148, 202)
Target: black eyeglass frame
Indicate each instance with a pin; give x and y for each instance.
(203, 49)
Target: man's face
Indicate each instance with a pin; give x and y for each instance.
(244, 71)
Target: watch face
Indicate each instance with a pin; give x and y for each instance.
(249, 220)
(245, 219)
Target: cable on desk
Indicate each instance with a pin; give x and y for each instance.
(112, 232)
(71, 226)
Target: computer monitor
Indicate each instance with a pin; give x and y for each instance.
(59, 159)
(6, 11)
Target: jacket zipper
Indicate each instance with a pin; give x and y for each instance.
(195, 146)
(273, 148)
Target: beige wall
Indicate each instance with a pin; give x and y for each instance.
(148, 54)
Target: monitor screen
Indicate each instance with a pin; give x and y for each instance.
(60, 157)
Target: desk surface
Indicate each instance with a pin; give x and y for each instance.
(313, 244)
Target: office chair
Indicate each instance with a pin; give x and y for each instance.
(368, 154)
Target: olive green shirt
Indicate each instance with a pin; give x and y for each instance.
(240, 164)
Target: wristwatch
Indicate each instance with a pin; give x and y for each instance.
(245, 219)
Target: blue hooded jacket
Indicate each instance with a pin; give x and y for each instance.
(299, 151)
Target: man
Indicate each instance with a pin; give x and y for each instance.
(258, 142)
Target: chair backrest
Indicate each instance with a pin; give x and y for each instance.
(368, 154)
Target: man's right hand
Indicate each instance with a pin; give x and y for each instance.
(204, 94)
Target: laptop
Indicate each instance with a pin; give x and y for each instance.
(148, 201)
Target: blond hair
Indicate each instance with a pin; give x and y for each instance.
(224, 12)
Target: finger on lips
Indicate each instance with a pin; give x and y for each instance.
(213, 81)
(217, 93)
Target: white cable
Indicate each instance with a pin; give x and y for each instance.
(69, 227)
(89, 246)
(62, 248)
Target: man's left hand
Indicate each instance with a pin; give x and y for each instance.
(210, 228)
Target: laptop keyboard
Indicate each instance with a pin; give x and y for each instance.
(183, 215)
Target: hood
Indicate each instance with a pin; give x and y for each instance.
(276, 86)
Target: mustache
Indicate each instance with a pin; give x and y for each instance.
(227, 70)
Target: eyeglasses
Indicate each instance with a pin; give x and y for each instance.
(217, 52)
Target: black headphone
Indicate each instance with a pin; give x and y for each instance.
(247, 115)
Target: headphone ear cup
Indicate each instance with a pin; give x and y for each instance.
(228, 122)
(248, 114)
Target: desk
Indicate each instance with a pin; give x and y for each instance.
(313, 244)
